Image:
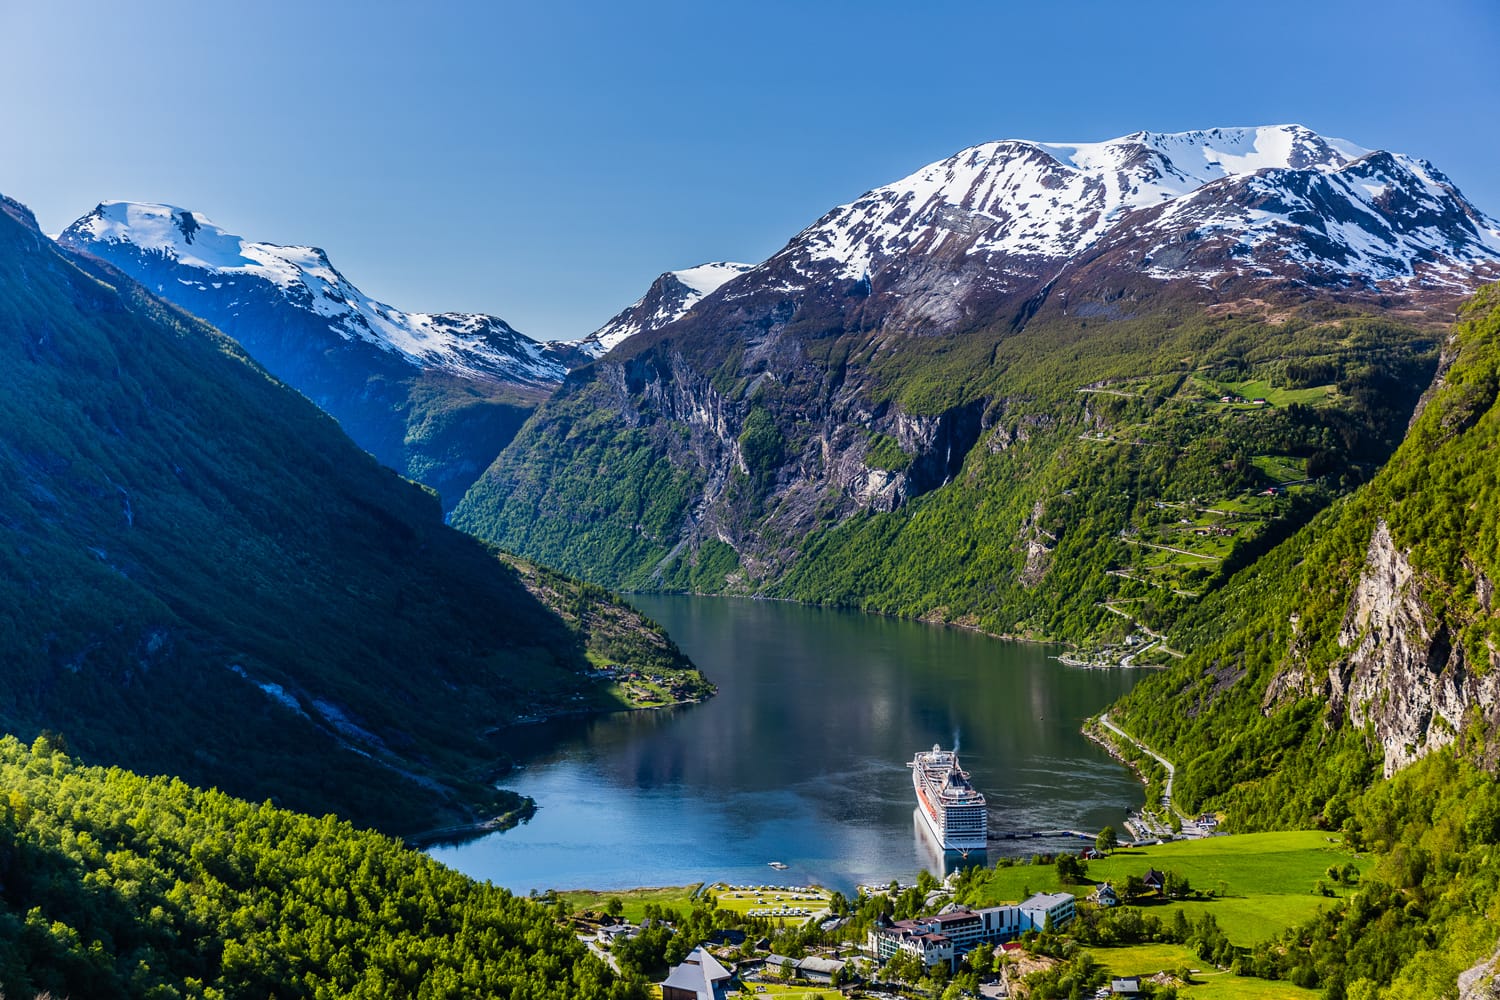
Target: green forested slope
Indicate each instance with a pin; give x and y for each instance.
(1086, 473)
(201, 575)
(114, 885)
(1431, 907)
(1052, 469)
(1249, 716)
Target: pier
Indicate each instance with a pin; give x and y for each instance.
(1041, 835)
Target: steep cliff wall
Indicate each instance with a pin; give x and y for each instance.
(695, 460)
(1404, 675)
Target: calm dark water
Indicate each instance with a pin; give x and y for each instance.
(801, 756)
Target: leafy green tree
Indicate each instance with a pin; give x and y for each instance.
(1107, 840)
(1070, 869)
(1176, 886)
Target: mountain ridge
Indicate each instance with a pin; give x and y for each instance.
(986, 198)
(434, 396)
(668, 299)
(205, 576)
(473, 344)
(828, 408)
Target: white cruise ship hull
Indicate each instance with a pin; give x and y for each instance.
(958, 827)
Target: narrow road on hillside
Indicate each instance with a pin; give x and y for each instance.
(1169, 548)
(601, 954)
(1171, 771)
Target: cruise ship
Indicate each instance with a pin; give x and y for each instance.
(953, 809)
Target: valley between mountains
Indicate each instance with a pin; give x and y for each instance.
(1217, 402)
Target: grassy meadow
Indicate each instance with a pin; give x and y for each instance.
(1261, 883)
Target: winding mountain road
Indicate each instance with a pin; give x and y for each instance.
(1166, 797)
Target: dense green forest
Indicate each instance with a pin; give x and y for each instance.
(201, 575)
(115, 885)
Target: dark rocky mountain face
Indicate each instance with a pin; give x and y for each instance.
(951, 397)
(205, 577)
(435, 396)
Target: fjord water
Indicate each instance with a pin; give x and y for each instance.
(801, 757)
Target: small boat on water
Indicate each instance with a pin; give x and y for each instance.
(777, 865)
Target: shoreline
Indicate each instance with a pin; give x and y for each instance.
(1002, 636)
(463, 833)
(1066, 659)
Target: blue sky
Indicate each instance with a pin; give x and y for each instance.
(544, 162)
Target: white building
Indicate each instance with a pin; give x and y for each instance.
(1050, 910)
(949, 936)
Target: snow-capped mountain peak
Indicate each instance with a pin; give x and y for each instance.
(1383, 217)
(204, 254)
(668, 299)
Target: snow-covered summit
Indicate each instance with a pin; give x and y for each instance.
(668, 299)
(203, 255)
(1372, 214)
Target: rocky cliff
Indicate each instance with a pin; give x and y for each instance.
(1404, 675)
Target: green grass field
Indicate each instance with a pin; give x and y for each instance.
(744, 901)
(681, 897)
(1207, 983)
(1262, 389)
(1268, 880)
(1282, 468)
(793, 992)
(1252, 505)
(634, 900)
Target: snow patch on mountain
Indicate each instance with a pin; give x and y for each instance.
(471, 344)
(706, 279)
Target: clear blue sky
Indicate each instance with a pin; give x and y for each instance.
(544, 161)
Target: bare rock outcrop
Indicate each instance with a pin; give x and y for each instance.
(1405, 672)
(1482, 981)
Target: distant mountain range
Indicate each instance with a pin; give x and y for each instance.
(889, 411)
(433, 395)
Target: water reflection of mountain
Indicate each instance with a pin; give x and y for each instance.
(818, 711)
